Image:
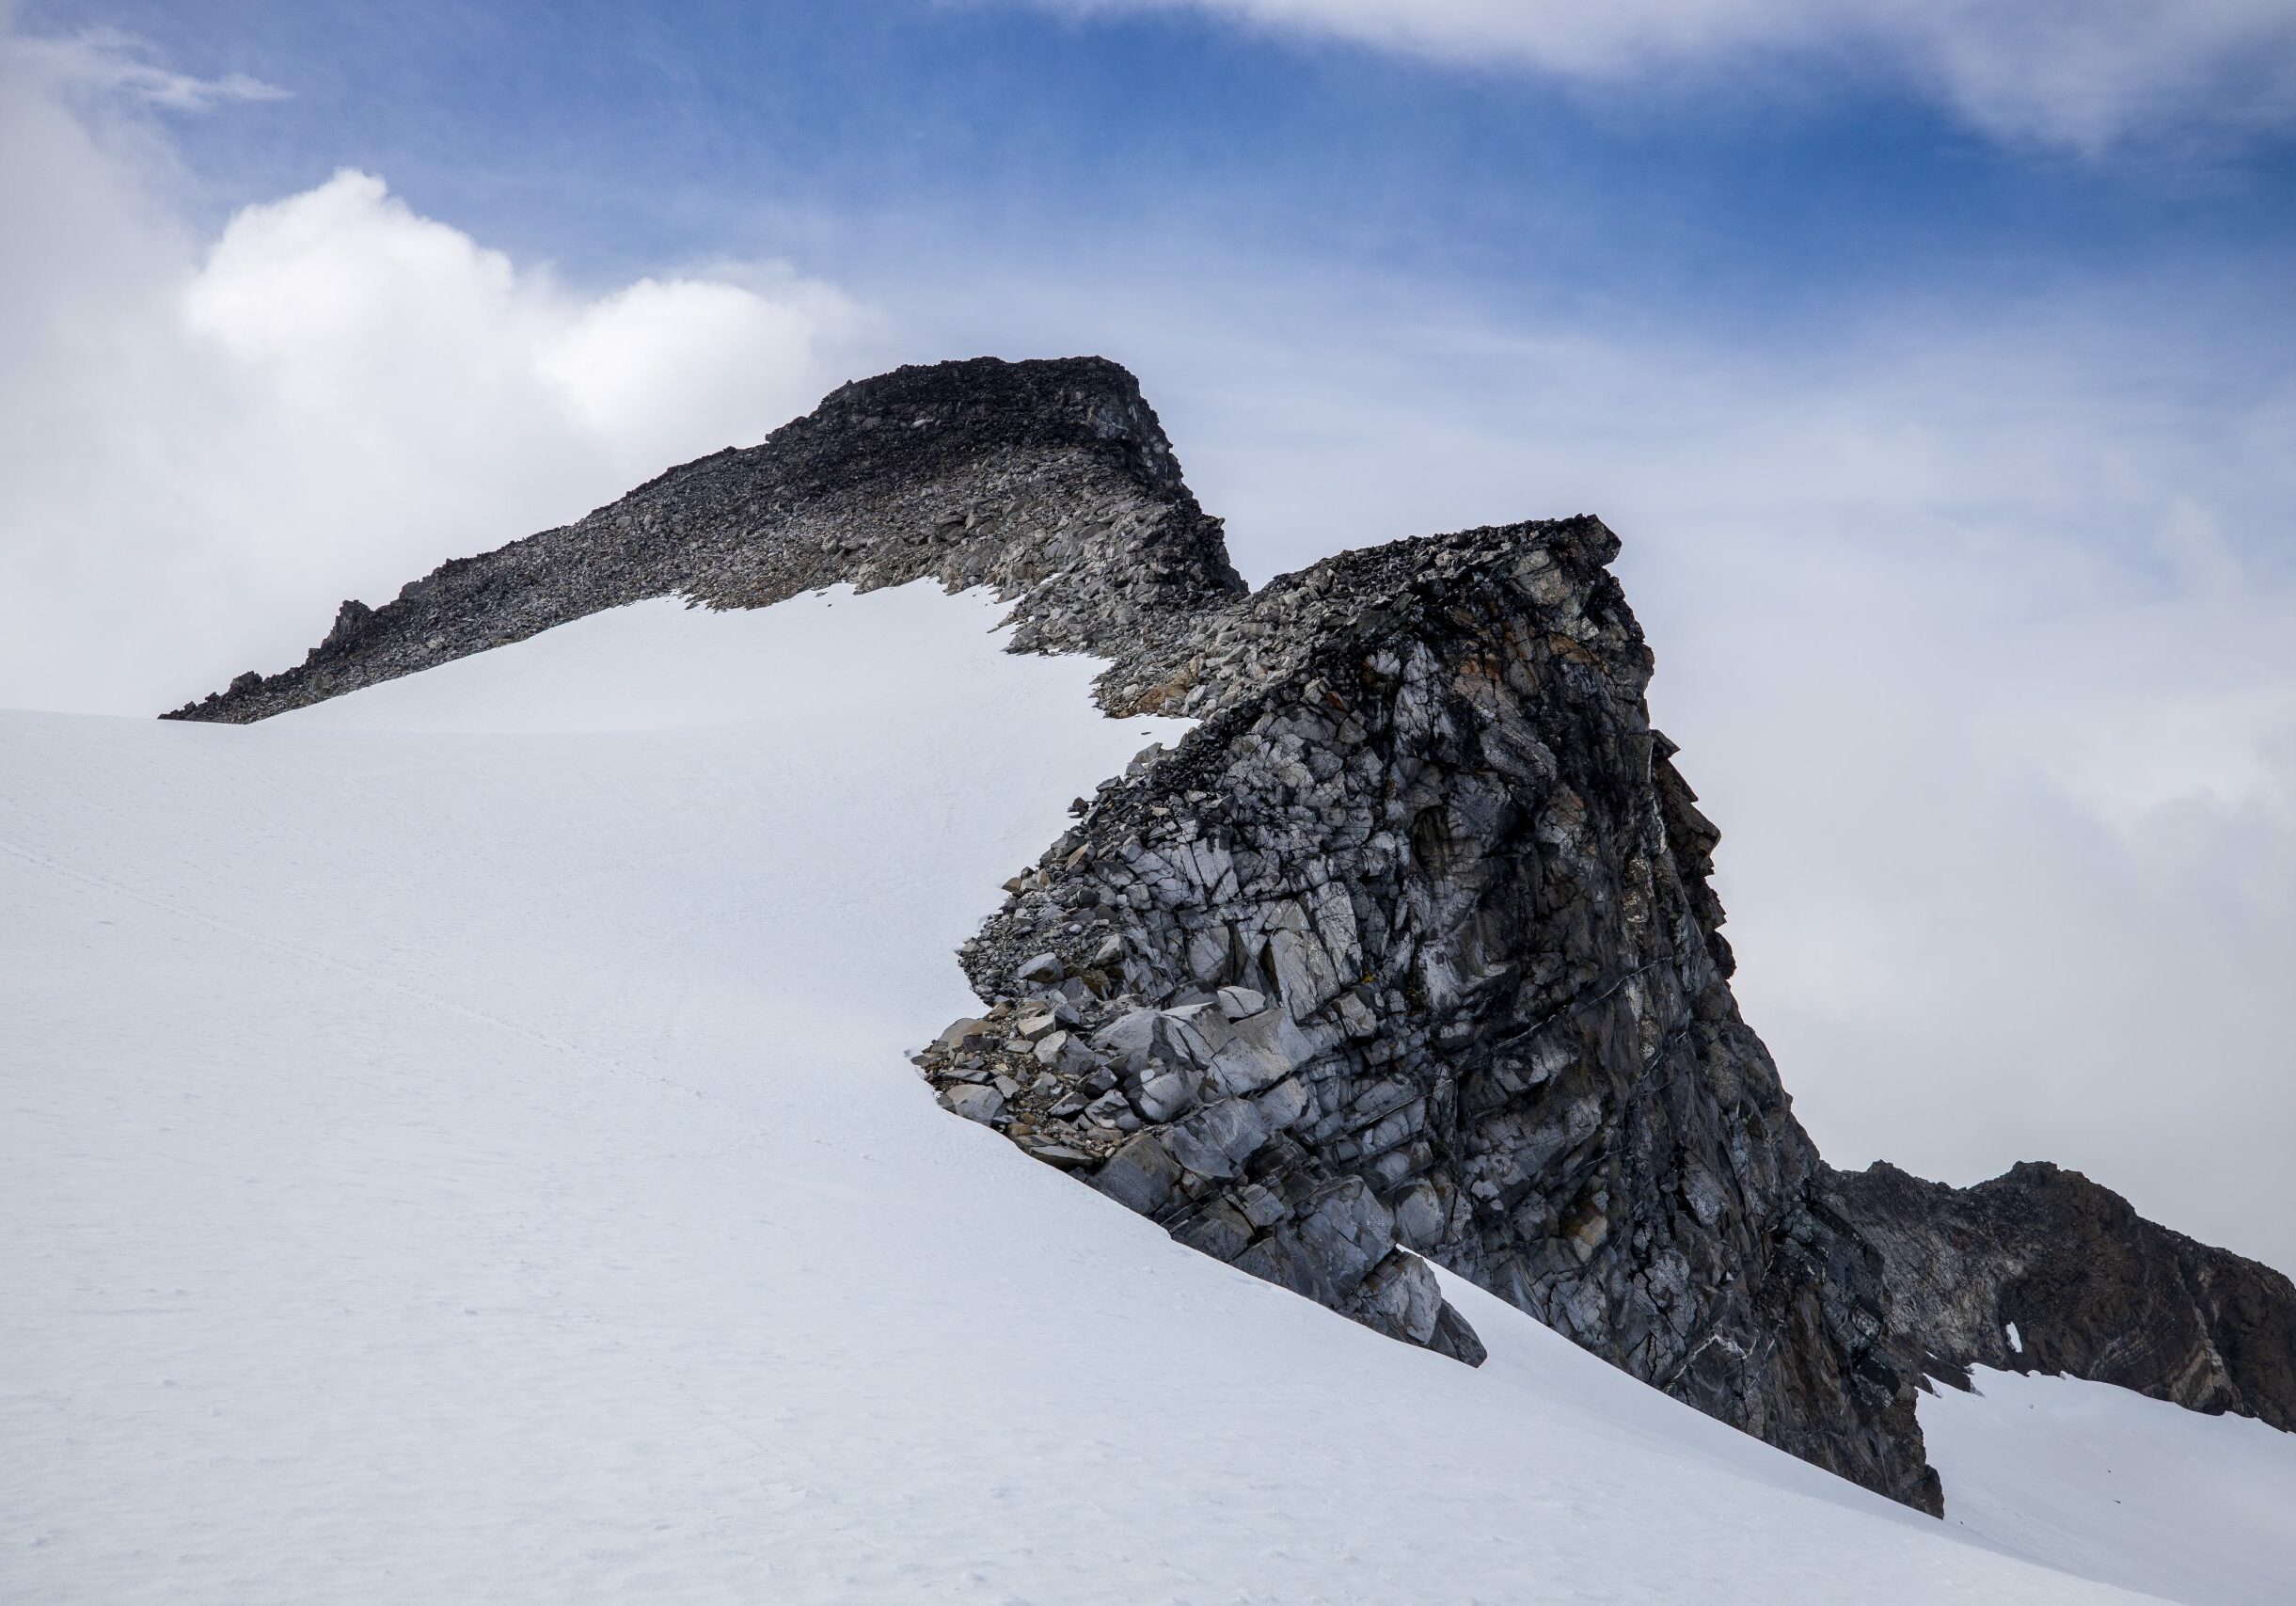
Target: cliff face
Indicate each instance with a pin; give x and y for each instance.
(1408, 950)
(1406, 953)
(2092, 1289)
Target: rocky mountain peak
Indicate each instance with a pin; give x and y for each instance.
(984, 403)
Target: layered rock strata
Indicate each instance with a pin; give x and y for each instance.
(1405, 955)
(2043, 1270)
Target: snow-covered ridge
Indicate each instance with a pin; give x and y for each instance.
(461, 1147)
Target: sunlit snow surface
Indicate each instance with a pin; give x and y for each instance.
(458, 1146)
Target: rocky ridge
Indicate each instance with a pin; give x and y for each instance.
(1051, 483)
(2043, 1270)
(1406, 953)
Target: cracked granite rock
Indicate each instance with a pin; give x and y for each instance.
(1405, 956)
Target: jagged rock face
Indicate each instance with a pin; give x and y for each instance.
(2093, 1290)
(1051, 483)
(1409, 947)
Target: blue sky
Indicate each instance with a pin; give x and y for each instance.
(1754, 199)
(1937, 362)
(1147, 182)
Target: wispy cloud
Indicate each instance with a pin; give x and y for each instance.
(2084, 75)
(118, 63)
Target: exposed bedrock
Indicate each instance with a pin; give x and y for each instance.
(2043, 1270)
(1050, 482)
(1408, 950)
(1406, 953)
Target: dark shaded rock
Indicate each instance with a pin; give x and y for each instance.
(984, 1104)
(1454, 1338)
(2092, 1288)
(1140, 1176)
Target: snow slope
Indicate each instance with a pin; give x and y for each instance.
(2103, 1482)
(458, 1146)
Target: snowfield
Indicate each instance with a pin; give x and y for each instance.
(2102, 1482)
(459, 1147)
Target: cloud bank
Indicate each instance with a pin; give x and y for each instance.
(2078, 74)
(205, 446)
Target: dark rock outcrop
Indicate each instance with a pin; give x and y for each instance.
(2090, 1288)
(1408, 950)
(1050, 482)
(1406, 954)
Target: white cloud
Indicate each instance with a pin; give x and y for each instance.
(640, 365)
(203, 447)
(2081, 73)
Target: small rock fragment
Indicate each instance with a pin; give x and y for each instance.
(973, 1102)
